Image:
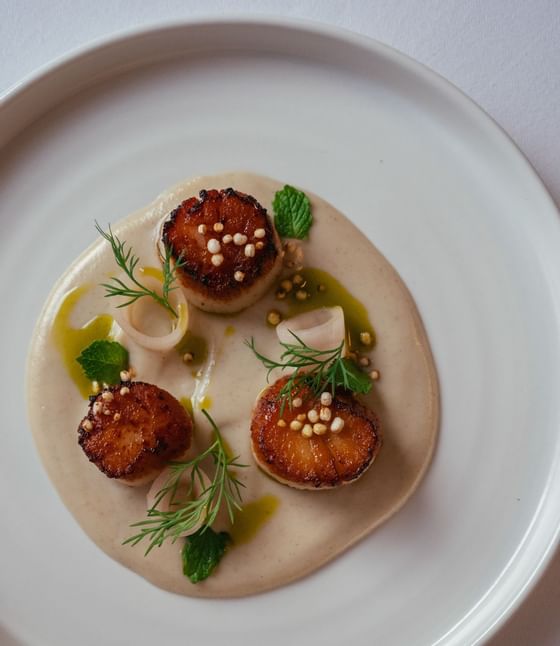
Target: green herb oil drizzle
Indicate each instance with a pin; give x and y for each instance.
(186, 403)
(70, 341)
(326, 291)
(195, 345)
(251, 519)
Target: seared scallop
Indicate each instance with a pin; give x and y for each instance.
(229, 248)
(133, 430)
(319, 443)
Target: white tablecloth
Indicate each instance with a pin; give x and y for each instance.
(504, 54)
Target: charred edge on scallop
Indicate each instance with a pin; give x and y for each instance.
(319, 461)
(143, 430)
(234, 276)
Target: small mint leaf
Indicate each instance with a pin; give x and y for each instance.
(292, 213)
(202, 552)
(349, 376)
(103, 361)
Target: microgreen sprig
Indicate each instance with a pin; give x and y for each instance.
(318, 370)
(127, 261)
(225, 489)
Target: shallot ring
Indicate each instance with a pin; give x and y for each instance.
(321, 329)
(124, 318)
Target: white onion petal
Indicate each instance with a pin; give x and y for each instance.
(321, 329)
(129, 319)
(184, 484)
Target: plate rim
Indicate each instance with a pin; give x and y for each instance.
(485, 628)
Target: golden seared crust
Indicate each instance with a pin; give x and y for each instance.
(237, 213)
(144, 429)
(322, 461)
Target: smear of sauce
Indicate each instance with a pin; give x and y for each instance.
(297, 533)
(252, 517)
(229, 330)
(326, 291)
(71, 341)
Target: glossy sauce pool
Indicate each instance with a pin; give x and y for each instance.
(285, 533)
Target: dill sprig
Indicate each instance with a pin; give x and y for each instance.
(127, 261)
(223, 490)
(313, 369)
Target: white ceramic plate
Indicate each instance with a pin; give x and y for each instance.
(437, 187)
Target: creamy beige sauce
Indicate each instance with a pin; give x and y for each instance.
(303, 529)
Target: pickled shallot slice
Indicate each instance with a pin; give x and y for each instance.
(321, 329)
(149, 324)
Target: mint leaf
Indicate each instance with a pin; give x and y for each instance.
(349, 376)
(292, 213)
(103, 361)
(202, 553)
